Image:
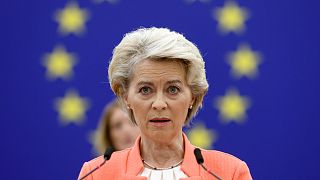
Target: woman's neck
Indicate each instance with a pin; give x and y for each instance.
(162, 154)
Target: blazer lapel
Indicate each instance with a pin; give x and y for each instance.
(189, 165)
(134, 164)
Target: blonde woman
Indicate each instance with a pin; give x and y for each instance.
(115, 129)
(159, 76)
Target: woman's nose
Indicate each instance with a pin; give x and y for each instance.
(159, 103)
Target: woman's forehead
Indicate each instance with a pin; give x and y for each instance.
(149, 69)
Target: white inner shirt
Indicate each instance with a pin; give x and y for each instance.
(168, 174)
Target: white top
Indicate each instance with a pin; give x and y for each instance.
(168, 174)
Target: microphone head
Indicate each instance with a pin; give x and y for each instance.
(108, 152)
(198, 155)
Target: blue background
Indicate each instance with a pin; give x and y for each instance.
(278, 141)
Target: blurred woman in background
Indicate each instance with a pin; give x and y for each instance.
(115, 129)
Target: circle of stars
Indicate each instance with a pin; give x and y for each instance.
(243, 62)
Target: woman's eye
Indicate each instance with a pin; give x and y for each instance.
(145, 90)
(173, 90)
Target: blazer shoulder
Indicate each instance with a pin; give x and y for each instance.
(226, 165)
(221, 156)
(112, 168)
(116, 156)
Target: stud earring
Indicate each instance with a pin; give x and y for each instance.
(190, 107)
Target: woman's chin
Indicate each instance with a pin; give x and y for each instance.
(163, 136)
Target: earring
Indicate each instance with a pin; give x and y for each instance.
(190, 107)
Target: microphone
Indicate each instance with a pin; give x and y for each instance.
(106, 156)
(200, 161)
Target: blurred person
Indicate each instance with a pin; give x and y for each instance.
(159, 76)
(115, 129)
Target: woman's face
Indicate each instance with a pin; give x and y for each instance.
(122, 131)
(159, 98)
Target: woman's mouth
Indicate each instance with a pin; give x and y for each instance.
(159, 122)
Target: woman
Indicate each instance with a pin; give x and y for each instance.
(115, 129)
(159, 76)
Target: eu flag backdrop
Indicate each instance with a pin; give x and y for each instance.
(262, 63)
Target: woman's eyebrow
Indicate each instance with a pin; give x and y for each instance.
(174, 82)
(140, 83)
(144, 83)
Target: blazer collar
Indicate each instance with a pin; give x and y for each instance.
(189, 165)
(134, 163)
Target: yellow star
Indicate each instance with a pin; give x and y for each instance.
(231, 17)
(59, 63)
(244, 62)
(201, 136)
(72, 107)
(71, 19)
(232, 106)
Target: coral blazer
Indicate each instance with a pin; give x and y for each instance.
(127, 165)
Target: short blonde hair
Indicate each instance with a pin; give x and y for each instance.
(157, 44)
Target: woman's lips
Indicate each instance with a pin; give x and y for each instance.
(160, 122)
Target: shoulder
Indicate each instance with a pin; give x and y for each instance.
(115, 158)
(112, 168)
(219, 156)
(226, 164)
